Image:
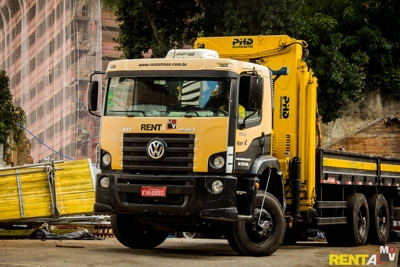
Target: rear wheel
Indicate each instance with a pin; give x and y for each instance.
(264, 234)
(133, 234)
(190, 235)
(357, 219)
(379, 223)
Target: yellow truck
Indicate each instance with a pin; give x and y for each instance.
(222, 139)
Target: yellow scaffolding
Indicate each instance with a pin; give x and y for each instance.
(51, 189)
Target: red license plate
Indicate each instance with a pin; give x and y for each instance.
(153, 191)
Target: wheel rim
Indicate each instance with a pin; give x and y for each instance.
(260, 229)
(382, 219)
(362, 221)
(188, 234)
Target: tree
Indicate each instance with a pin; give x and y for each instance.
(11, 118)
(352, 44)
(159, 25)
(166, 24)
(353, 47)
(251, 17)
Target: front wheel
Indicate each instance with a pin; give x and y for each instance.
(133, 234)
(264, 234)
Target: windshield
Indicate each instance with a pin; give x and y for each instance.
(167, 97)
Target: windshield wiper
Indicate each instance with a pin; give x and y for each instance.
(128, 111)
(188, 115)
(217, 110)
(183, 113)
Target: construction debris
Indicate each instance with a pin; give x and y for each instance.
(77, 235)
(46, 190)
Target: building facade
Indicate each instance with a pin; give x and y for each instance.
(49, 49)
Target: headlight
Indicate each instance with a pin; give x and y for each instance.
(106, 159)
(218, 162)
(217, 186)
(104, 182)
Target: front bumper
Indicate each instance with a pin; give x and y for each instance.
(186, 196)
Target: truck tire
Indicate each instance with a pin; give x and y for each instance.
(133, 234)
(357, 219)
(251, 239)
(190, 235)
(380, 223)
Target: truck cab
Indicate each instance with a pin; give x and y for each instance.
(186, 145)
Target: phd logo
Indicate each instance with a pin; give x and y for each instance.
(242, 43)
(284, 107)
(386, 254)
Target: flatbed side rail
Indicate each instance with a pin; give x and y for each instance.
(347, 168)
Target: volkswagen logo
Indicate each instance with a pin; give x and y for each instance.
(156, 149)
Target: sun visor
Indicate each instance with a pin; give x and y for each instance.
(192, 53)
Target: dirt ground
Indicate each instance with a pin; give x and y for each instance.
(173, 252)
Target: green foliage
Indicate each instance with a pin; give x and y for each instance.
(352, 47)
(10, 133)
(159, 25)
(163, 25)
(317, 26)
(354, 44)
(251, 17)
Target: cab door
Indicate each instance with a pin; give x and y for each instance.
(254, 121)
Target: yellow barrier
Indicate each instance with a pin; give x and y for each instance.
(25, 192)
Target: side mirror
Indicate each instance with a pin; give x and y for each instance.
(256, 92)
(92, 96)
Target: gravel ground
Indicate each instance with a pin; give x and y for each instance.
(174, 252)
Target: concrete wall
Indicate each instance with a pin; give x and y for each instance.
(371, 126)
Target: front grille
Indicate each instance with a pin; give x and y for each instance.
(178, 159)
